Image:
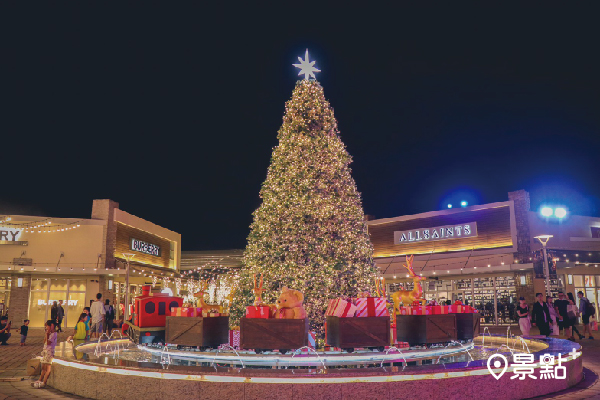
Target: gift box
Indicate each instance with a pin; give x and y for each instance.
(257, 312)
(405, 311)
(340, 308)
(234, 338)
(312, 339)
(210, 314)
(182, 311)
(421, 310)
(437, 310)
(371, 307)
(455, 308)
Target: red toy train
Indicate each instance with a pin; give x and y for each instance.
(149, 316)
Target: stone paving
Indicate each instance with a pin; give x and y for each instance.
(15, 384)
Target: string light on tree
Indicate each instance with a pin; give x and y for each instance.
(309, 232)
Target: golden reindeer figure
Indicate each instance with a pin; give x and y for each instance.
(258, 291)
(407, 297)
(201, 303)
(230, 296)
(380, 287)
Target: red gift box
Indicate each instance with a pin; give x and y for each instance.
(456, 308)
(257, 312)
(437, 310)
(234, 338)
(371, 307)
(422, 310)
(405, 311)
(183, 311)
(340, 308)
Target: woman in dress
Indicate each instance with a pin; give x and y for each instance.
(523, 314)
(573, 319)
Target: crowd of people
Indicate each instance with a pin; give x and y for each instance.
(553, 316)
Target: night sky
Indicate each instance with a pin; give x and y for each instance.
(174, 111)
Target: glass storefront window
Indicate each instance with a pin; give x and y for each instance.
(74, 308)
(589, 281)
(77, 285)
(37, 308)
(39, 284)
(58, 284)
(578, 280)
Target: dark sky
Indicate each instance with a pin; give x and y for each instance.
(173, 111)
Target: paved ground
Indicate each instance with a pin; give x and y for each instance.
(14, 384)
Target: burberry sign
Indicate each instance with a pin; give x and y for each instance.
(465, 230)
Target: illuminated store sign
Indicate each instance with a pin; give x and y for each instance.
(67, 302)
(460, 231)
(10, 234)
(143, 247)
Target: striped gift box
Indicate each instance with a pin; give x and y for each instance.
(371, 307)
(341, 308)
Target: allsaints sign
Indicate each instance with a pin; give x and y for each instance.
(143, 247)
(465, 230)
(9, 234)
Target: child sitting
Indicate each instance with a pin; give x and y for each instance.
(47, 354)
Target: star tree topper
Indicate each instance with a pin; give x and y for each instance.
(306, 67)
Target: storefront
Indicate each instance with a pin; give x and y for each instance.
(485, 255)
(43, 260)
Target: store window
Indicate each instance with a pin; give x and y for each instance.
(45, 291)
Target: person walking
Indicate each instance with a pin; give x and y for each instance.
(54, 312)
(560, 306)
(586, 309)
(60, 314)
(541, 315)
(523, 314)
(572, 313)
(109, 317)
(98, 312)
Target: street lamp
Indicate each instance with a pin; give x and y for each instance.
(128, 257)
(544, 240)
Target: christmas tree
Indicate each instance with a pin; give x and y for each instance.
(309, 232)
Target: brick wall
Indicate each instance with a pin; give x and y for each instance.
(105, 210)
(522, 204)
(18, 309)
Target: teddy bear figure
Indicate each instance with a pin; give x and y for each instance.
(289, 304)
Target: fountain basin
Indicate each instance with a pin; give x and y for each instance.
(107, 376)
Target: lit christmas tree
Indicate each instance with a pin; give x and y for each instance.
(309, 233)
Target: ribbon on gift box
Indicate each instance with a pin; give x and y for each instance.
(312, 339)
(210, 314)
(371, 307)
(455, 308)
(405, 311)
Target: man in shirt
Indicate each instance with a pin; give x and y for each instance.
(60, 314)
(541, 315)
(98, 312)
(560, 306)
(585, 314)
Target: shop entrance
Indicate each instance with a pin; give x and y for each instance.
(45, 291)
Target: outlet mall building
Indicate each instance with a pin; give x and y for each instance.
(47, 259)
(487, 255)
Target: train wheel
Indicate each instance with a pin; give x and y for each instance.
(350, 349)
(258, 351)
(283, 351)
(381, 349)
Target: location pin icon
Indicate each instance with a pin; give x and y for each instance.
(497, 364)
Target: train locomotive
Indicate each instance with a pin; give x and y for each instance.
(150, 311)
